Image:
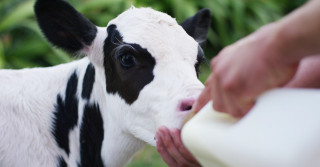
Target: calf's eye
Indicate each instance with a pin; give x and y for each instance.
(127, 60)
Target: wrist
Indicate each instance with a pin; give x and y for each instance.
(287, 43)
(287, 46)
(298, 34)
(276, 46)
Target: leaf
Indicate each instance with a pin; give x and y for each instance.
(14, 18)
(2, 60)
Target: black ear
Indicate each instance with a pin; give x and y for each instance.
(63, 26)
(198, 25)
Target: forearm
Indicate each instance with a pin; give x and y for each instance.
(308, 74)
(298, 34)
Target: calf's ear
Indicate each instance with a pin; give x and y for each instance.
(198, 25)
(64, 26)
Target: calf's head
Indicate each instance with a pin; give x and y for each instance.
(149, 61)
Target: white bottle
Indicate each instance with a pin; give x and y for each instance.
(282, 130)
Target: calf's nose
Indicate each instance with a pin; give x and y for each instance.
(186, 104)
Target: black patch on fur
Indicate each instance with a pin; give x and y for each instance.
(126, 82)
(200, 58)
(91, 137)
(198, 25)
(88, 82)
(66, 114)
(62, 162)
(63, 26)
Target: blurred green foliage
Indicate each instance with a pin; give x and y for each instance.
(148, 157)
(22, 44)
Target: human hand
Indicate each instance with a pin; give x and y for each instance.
(308, 74)
(172, 150)
(244, 70)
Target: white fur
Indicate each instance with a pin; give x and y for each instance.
(28, 96)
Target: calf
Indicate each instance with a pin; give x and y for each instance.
(140, 72)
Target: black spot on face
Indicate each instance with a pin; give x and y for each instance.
(128, 67)
(62, 163)
(91, 137)
(88, 82)
(66, 114)
(200, 58)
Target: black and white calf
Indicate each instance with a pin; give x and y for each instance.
(140, 72)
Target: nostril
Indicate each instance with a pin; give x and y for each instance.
(186, 105)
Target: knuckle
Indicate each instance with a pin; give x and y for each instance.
(216, 72)
(229, 85)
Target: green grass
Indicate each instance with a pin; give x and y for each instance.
(204, 71)
(148, 157)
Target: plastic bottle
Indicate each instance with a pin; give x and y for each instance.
(281, 130)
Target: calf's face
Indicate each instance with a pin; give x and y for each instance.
(162, 78)
(149, 61)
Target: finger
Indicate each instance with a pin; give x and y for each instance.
(204, 97)
(231, 93)
(164, 153)
(239, 103)
(248, 98)
(175, 133)
(246, 107)
(217, 96)
(179, 145)
(232, 105)
(236, 105)
(169, 144)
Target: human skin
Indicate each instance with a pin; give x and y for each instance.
(266, 59)
(169, 142)
(308, 74)
(172, 150)
(277, 55)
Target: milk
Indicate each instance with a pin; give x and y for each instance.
(281, 130)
